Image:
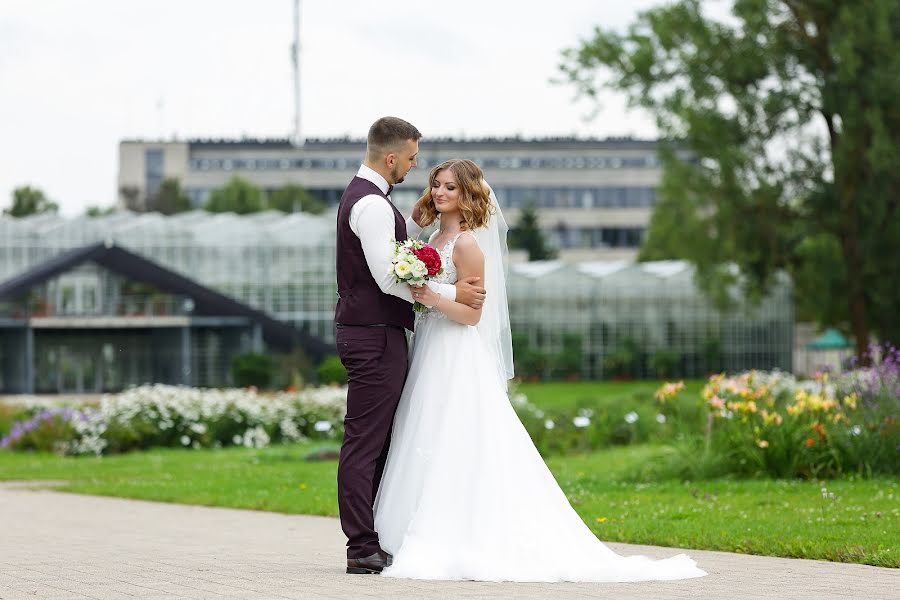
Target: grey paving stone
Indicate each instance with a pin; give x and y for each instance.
(57, 545)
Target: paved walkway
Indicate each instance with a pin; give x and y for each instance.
(55, 545)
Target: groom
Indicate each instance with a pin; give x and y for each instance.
(372, 314)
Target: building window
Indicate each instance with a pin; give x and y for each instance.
(153, 159)
(573, 197)
(620, 237)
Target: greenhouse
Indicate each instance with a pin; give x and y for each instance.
(593, 319)
(620, 319)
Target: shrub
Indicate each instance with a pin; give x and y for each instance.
(45, 431)
(252, 369)
(619, 364)
(623, 362)
(665, 363)
(529, 363)
(567, 363)
(711, 353)
(9, 415)
(332, 371)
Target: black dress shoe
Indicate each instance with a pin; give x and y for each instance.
(369, 565)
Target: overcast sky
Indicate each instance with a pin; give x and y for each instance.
(77, 77)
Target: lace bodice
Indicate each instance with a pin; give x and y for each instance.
(449, 274)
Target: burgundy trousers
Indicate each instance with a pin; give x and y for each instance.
(376, 361)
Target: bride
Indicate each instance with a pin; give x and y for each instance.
(465, 494)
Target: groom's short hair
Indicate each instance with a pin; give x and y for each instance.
(388, 133)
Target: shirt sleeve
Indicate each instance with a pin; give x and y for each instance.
(372, 220)
(446, 290)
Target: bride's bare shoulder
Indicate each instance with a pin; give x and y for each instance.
(467, 249)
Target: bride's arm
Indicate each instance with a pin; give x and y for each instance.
(469, 261)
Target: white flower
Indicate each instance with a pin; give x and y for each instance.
(581, 421)
(549, 424)
(256, 438)
(855, 430)
(402, 269)
(322, 426)
(631, 417)
(419, 269)
(519, 399)
(168, 407)
(661, 418)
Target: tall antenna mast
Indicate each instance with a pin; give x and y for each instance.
(295, 59)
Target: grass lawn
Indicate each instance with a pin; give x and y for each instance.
(782, 518)
(591, 394)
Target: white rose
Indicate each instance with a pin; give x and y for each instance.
(419, 269)
(402, 269)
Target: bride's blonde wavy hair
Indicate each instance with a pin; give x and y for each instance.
(474, 194)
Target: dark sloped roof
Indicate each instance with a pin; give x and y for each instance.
(133, 266)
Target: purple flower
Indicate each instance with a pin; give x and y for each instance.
(20, 428)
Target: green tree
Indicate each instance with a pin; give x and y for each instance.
(170, 199)
(27, 200)
(295, 198)
(98, 211)
(528, 236)
(787, 134)
(130, 196)
(238, 196)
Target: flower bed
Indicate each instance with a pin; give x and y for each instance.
(160, 415)
(772, 424)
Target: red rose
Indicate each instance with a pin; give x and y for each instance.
(428, 255)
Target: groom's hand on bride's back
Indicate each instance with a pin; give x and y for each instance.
(470, 292)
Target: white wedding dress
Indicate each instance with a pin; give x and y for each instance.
(465, 494)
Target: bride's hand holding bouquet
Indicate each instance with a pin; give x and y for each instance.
(415, 263)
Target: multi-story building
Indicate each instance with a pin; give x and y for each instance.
(594, 197)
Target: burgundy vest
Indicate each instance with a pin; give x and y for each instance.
(360, 300)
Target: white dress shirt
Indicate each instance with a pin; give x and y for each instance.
(372, 220)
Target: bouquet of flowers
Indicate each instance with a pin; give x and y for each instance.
(415, 262)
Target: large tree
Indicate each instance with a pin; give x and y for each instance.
(171, 198)
(787, 123)
(238, 195)
(295, 198)
(27, 200)
(527, 235)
